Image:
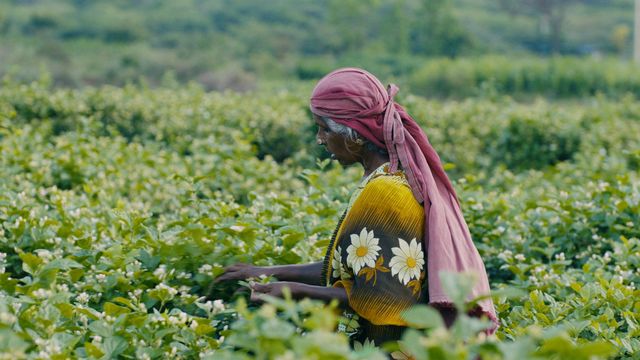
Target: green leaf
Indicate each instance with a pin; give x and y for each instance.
(123, 301)
(457, 286)
(67, 310)
(76, 274)
(45, 277)
(597, 348)
(10, 342)
(411, 342)
(148, 261)
(114, 310)
(204, 329)
(557, 345)
(7, 283)
(276, 329)
(114, 346)
(62, 264)
(519, 349)
(290, 240)
(93, 350)
(101, 328)
(30, 262)
(423, 317)
(89, 313)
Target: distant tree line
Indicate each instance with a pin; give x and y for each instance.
(222, 42)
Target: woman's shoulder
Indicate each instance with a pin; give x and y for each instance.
(386, 201)
(384, 177)
(389, 190)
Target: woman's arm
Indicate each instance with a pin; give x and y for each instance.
(300, 291)
(305, 273)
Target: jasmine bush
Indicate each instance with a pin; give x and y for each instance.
(119, 206)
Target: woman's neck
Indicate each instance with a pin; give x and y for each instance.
(373, 161)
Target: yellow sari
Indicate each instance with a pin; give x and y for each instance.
(376, 254)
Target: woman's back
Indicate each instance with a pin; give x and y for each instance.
(377, 256)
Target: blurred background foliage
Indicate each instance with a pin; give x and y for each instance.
(437, 47)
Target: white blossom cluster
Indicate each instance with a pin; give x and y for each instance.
(3, 261)
(505, 255)
(162, 286)
(48, 348)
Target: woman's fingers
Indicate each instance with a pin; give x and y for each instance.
(229, 275)
(234, 272)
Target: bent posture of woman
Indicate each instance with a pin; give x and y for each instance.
(402, 226)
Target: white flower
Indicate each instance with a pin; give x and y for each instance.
(338, 268)
(237, 228)
(362, 251)
(505, 255)
(205, 269)
(336, 264)
(42, 293)
(7, 318)
(160, 272)
(44, 254)
(520, 257)
(477, 206)
(172, 291)
(367, 344)
(218, 305)
(408, 261)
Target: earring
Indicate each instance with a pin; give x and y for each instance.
(359, 141)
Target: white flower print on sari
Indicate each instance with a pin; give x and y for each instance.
(363, 250)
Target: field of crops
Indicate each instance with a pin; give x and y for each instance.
(118, 206)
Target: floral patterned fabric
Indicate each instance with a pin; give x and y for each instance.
(378, 257)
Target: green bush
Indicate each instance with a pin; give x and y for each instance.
(529, 143)
(118, 207)
(558, 77)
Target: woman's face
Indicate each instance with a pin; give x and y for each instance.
(342, 149)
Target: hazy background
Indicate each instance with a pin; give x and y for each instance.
(468, 46)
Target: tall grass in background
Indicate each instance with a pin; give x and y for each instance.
(559, 77)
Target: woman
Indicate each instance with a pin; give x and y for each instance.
(405, 207)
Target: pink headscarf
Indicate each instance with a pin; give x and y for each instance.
(355, 98)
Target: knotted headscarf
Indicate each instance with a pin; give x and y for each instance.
(355, 98)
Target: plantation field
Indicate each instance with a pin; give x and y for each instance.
(119, 206)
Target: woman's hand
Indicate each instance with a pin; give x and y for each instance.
(299, 291)
(304, 273)
(275, 289)
(240, 272)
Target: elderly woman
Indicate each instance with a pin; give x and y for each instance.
(402, 226)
